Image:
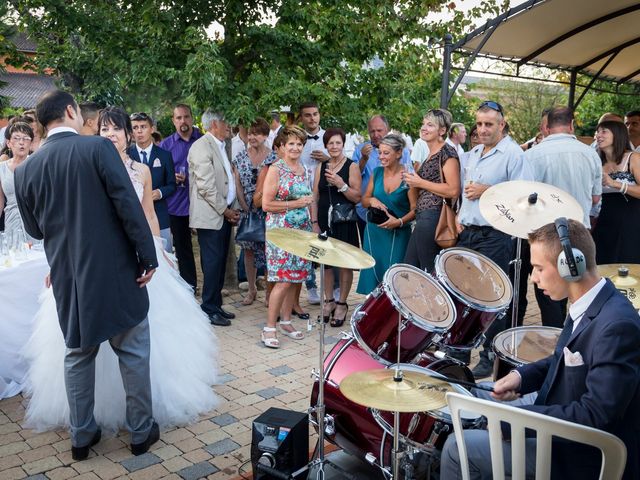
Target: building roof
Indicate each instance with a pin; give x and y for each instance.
(24, 89)
(23, 43)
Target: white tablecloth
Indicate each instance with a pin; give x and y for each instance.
(20, 286)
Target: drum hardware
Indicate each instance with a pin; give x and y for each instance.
(324, 250)
(626, 279)
(382, 348)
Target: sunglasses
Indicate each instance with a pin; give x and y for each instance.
(139, 117)
(492, 105)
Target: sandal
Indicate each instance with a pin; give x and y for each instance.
(295, 334)
(269, 342)
(338, 322)
(326, 318)
(300, 315)
(249, 298)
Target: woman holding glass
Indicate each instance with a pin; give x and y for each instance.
(437, 177)
(249, 163)
(386, 192)
(337, 186)
(287, 198)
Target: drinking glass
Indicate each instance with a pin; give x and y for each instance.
(182, 170)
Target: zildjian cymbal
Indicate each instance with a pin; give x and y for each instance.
(626, 278)
(415, 392)
(319, 248)
(519, 207)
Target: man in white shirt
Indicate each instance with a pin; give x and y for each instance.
(239, 141)
(632, 122)
(274, 127)
(457, 137)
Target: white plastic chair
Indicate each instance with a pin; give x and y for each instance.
(614, 452)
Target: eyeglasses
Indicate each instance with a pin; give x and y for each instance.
(139, 117)
(492, 105)
(21, 139)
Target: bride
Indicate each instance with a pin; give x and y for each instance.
(183, 345)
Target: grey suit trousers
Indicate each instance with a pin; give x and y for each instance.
(132, 348)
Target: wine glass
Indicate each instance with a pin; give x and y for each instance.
(182, 171)
(407, 170)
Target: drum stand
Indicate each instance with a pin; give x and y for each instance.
(517, 266)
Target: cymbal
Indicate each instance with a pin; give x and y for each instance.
(310, 246)
(519, 207)
(417, 392)
(626, 278)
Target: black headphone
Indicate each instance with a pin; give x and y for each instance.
(571, 262)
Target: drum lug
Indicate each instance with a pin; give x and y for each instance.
(315, 374)
(371, 458)
(376, 292)
(329, 425)
(358, 315)
(466, 311)
(479, 341)
(382, 348)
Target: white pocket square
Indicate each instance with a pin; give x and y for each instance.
(572, 359)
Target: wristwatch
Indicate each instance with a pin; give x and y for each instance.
(344, 188)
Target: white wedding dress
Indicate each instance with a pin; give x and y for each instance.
(182, 361)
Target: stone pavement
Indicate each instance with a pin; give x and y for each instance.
(252, 378)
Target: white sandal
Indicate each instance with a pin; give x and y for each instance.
(295, 334)
(270, 342)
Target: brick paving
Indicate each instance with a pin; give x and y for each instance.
(252, 379)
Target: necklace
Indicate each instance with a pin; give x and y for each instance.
(335, 166)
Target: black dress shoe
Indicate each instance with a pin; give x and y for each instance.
(225, 314)
(218, 320)
(154, 436)
(81, 453)
(483, 369)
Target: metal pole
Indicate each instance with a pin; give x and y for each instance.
(446, 71)
(572, 88)
(320, 407)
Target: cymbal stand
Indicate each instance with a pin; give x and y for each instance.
(396, 455)
(517, 266)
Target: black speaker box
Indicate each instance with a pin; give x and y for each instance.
(280, 442)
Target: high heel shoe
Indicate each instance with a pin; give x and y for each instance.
(338, 322)
(270, 342)
(326, 318)
(249, 298)
(300, 315)
(295, 334)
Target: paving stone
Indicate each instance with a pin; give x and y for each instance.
(41, 439)
(224, 419)
(225, 378)
(167, 452)
(41, 465)
(141, 461)
(281, 370)
(13, 448)
(189, 444)
(150, 473)
(39, 476)
(176, 463)
(62, 473)
(38, 453)
(197, 456)
(14, 474)
(197, 471)
(11, 461)
(221, 447)
(270, 392)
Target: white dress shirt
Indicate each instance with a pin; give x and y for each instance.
(231, 193)
(53, 131)
(578, 309)
(312, 144)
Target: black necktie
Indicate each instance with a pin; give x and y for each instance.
(144, 157)
(565, 335)
(315, 137)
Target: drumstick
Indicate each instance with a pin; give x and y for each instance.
(464, 383)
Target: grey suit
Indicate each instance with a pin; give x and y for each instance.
(76, 194)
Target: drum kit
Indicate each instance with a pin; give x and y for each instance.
(380, 392)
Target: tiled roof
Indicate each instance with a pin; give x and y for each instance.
(24, 89)
(23, 43)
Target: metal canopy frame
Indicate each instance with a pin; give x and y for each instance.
(491, 26)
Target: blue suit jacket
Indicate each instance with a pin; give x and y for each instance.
(603, 393)
(163, 178)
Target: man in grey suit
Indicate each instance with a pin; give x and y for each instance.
(212, 202)
(101, 254)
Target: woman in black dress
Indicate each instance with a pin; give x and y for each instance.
(337, 187)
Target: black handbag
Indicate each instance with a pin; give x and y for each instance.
(251, 228)
(340, 212)
(378, 216)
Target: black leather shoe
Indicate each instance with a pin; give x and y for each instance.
(154, 436)
(225, 314)
(483, 369)
(218, 320)
(81, 453)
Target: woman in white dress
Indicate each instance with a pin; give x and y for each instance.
(183, 345)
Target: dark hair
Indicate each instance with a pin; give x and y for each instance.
(52, 106)
(279, 140)
(141, 117)
(560, 117)
(579, 237)
(473, 131)
(506, 129)
(307, 105)
(332, 132)
(633, 113)
(156, 136)
(620, 140)
(183, 105)
(18, 127)
(259, 126)
(89, 110)
(118, 117)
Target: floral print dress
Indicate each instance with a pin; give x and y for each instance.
(283, 266)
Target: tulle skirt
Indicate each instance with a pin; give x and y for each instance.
(182, 362)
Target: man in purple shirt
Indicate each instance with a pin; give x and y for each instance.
(178, 204)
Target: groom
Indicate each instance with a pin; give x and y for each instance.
(76, 194)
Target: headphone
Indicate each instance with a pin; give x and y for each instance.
(571, 261)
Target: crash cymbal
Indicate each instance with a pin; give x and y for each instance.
(377, 388)
(626, 278)
(311, 246)
(519, 207)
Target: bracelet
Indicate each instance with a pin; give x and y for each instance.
(624, 186)
(344, 188)
(314, 221)
(401, 222)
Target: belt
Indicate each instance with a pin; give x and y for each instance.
(479, 228)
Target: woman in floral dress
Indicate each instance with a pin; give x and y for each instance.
(287, 198)
(248, 164)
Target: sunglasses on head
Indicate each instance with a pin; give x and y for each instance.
(492, 105)
(140, 116)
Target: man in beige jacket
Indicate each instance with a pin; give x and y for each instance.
(212, 198)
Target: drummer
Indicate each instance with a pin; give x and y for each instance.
(593, 377)
(497, 159)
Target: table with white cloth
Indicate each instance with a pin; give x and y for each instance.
(21, 282)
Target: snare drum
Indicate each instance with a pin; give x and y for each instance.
(521, 345)
(480, 290)
(426, 309)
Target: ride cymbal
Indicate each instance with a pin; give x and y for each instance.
(626, 278)
(416, 392)
(316, 248)
(519, 207)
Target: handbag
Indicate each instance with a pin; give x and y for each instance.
(251, 228)
(340, 212)
(377, 215)
(446, 235)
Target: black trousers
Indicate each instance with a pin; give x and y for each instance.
(214, 247)
(184, 249)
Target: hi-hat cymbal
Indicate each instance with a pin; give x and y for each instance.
(626, 278)
(377, 388)
(310, 246)
(519, 207)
